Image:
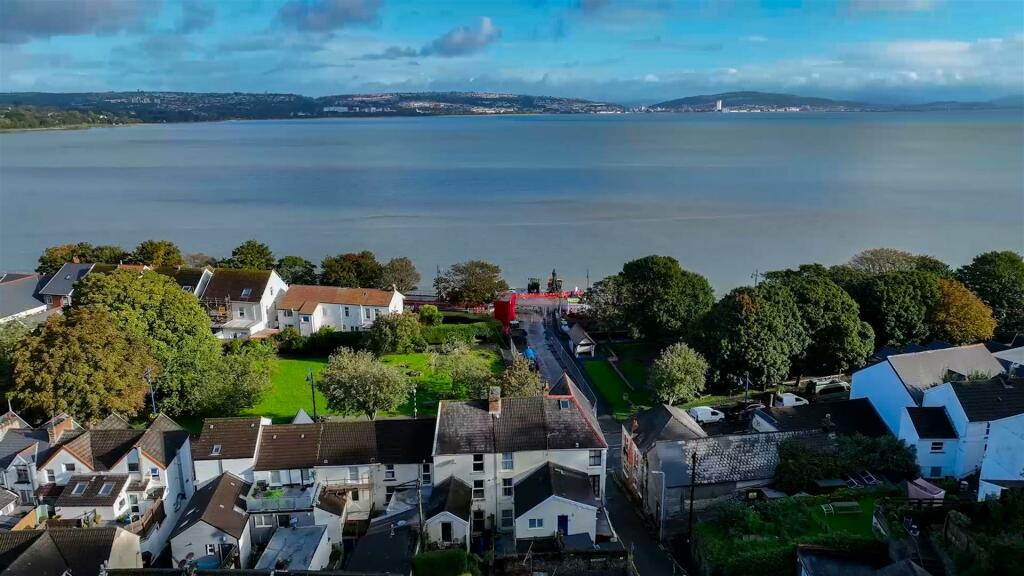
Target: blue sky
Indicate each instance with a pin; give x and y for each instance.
(625, 51)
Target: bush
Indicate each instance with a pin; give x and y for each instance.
(436, 335)
(455, 562)
(430, 315)
(290, 343)
(396, 334)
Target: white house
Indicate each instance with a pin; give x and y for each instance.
(582, 343)
(1003, 465)
(310, 308)
(555, 500)
(94, 498)
(227, 445)
(929, 430)
(23, 448)
(214, 522)
(243, 303)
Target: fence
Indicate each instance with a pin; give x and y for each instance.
(568, 362)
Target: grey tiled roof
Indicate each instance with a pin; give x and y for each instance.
(993, 399)
(18, 439)
(6, 497)
(922, 370)
(931, 422)
(549, 480)
(219, 503)
(63, 282)
(663, 422)
(385, 441)
(19, 293)
(387, 547)
(856, 416)
(453, 496)
(93, 484)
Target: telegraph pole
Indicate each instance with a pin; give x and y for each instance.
(312, 390)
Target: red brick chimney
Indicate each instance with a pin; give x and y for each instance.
(494, 402)
(59, 428)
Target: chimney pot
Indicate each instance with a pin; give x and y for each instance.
(494, 401)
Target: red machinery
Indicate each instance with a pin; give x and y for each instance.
(505, 309)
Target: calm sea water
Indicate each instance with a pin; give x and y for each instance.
(725, 194)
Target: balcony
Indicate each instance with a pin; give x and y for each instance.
(277, 498)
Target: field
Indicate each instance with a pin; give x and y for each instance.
(634, 360)
(290, 390)
(622, 400)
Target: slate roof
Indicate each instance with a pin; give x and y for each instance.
(579, 336)
(993, 399)
(288, 446)
(220, 503)
(228, 284)
(931, 422)
(846, 417)
(56, 551)
(549, 480)
(19, 293)
(163, 439)
(184, 276)
(453, 496)
(390, 441)
(388, 546)
(663, 422)
(528, 423)
(332, 501)
(305, 298)
(101, 449)
(112, 422)
(92, 497)
(237, 438)
(731, 458)
(6, 497)
(63, 282)
(922, 370)
(17, 440)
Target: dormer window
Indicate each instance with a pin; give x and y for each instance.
(106, 489)
(79, 489)
(246, 292)
(216, 450)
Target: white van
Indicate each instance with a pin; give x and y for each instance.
(703, 414)
(789, 399)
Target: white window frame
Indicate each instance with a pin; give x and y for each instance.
(600, 458)
(261, 520)
(478, 493)
(275, 482)
(426, 473)
(216, 450)
(154, 473)
(536, 523)
(107, 489)
(79, 488)
(507, 488)
(478, 459)
(508, 461)
(937, 448)
(389, 472)
(51, 476)
(69, 466)
(508, 518)
(211, 549)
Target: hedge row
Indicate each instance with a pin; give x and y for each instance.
(487, 331)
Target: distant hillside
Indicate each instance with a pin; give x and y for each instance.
(1005, 103)
(756, 100)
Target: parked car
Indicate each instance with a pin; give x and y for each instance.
(743, 410)
(704, 414)
(832, 391)
(789, 399)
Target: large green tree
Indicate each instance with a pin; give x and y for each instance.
(839, 339)
(249, 368)
(959, 316)
(396, 333)
(158, 253)
(56, 256)
(11, 333)
(898, 304)
(998, 279)
(175, 325)
(470, 283)
(83, 363)
(606, 303)
(678, 374)
(356, 382)
(296, 270)
(351, 270)
(400, 273)
(663, 300)
(519, 379)
(755, 331)
(250, 255)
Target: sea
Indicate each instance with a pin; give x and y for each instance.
(728, 195)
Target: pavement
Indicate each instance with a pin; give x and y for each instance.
(648, 555)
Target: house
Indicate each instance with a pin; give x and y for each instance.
(191, 280)
(929, 430)
(310, 308)
(388, 546)
(815, 560)
(227, 445)
(845, 417)
(555, 501)
(1003, 465)
(298, 548)
(582, 343)
(448, 514)
(214, 525)
(59, 288)
(243, 303)
(8, 502)
(725, 465)
(661, 423)
(68, 551)
(155, 461)
(23, 448)
(900, 380)
(284, 483)
(493, 444)
(20, 297)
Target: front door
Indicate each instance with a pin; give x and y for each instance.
(446, 532)
(133, 501)
(563, 524)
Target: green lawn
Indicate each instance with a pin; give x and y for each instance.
(430, 384)
(634, 359)
(613, 389)
(859, 524)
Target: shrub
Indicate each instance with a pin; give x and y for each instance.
(323, 343)
(396, 333)
(454, 562)
(430, 315)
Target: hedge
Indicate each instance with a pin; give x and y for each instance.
(319, 344)
(454, 562)
(435, 335)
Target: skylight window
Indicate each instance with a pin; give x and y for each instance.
(216, 450)
(246, 292)
(79, 489)
(106, 489)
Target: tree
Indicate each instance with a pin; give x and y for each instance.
(471, 378)
(898, 304)
(430, 315)
(839, 339)
(755, 331)
(351, 270)
(158, 253)
(56, 256)
(998, 279)
(250, 255)
(470, 283)
(175, 326)
(678, 374)
(296, 270)
(959, 316)
(606, 301)
(249, 369)
(11, 333)
(400, 273)
(519, 379)
(397, 332)
(663, 300)
(882, 260)
(82, 363)
(356, 382)
(108, 254)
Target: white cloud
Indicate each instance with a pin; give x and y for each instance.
(464, 40)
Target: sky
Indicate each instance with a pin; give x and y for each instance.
(628, 51)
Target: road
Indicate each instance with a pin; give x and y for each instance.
(648, 556)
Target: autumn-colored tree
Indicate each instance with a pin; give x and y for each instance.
(158, 253)
(399, 273)
(519, 379)
(83, 363)
(959, 316)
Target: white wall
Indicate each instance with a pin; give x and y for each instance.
(973, 438)
(196, 537)
(57, 463)
(926, 460)
(885, 390)
(339, 476)
(207, 470)
(1004, 459)
(125, 551)
(582, 518)
(460, 529)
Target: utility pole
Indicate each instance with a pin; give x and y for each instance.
(756, 276)
(693, 486)
(419, 498)
(312, 390)
(148, 376)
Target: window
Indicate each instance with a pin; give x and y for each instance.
(563, 404)
(507, 518)
(595, 457)
(506, 486)
(275, 476)
(446, 532)
(478, 520)
(241, 312)
(119, 505)
(353, 474)
(366, 313)
(355, 495)
(478, 489)
(154, 473)
(284, 520)
(595, 484)
(79, 489)
(216, 450)
(936, 471)
(288, 313)
(389, 472)
(507, 462)
(478, 462)
(264, 520)
(69, 466)
(246, 292)
(426, 475)
(305, 318)
(536, 523)
(133, 466)
(106, 489)
(51, 476)
(346, 311)
(937, 447)
(389, 491)
(22, 475)
(211, 549)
